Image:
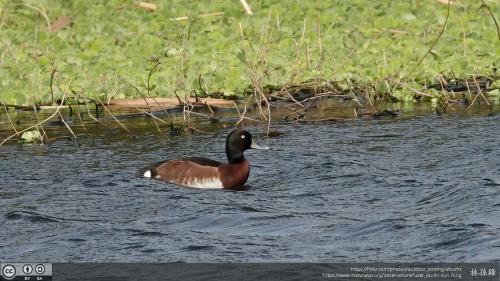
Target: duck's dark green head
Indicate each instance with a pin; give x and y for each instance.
(238, 141)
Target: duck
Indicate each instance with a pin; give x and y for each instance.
(200, 172)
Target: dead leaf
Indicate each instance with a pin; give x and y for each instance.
(452, 2)
(147, 6)
(60, 23)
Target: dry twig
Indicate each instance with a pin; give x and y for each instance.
(247, 8)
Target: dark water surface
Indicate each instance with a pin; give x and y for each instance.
(411, 189)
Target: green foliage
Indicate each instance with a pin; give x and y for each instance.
(32, 136)
(495, 94)
(110, 43)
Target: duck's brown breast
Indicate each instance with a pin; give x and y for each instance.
(234, 175)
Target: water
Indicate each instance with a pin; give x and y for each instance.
(425, 188)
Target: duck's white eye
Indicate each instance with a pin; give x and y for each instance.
(242, 136)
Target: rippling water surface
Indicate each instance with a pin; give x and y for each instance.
(410, 189)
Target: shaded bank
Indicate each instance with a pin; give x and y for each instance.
(166, 118)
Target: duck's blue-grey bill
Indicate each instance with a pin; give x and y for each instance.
(258, 146)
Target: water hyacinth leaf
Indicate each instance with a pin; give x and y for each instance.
(403, 95)
(494, 93)
(409, 17)
(43, 60)
(241, 56)
(172, 52)
(229, 93)
(32, 136)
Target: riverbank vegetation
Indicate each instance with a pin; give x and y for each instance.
(280, 59)
(104, 50)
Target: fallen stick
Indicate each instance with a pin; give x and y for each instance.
(19, 106)
(323, 119)
(147, 6)
(199, 16)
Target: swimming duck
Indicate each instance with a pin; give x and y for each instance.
(199, 172)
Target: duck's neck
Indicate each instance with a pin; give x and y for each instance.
(234, 155)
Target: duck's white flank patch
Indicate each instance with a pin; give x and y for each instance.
(147, 174)
(208, 183)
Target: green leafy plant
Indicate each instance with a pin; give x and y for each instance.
(109, 42)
